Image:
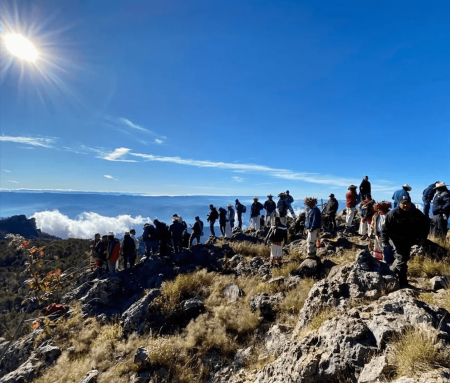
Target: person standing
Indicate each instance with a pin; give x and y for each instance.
(427, 197)
(404, 227)
(240, 209)
(162, 235)
(101, 249)
(271, 211)
(282, 208)
(350, 204)
(365, 188)
(93, 256)
(277, 236)
(150, 237)
(441, 209)
(255, 211)
(211, 218)
(289, 201)
(403, 191)
(378, 219)
(367, 212)
(176, 233)
(113, 252)
(312, 225)
(222, 220)
(330, 211)
(128, 249)
(197, 231)
(229, 221)
(136, 241)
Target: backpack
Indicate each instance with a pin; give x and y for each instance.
(244, 209)
(128, 244)
(213, 215)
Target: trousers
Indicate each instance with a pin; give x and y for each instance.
(255, 222)
(312, 241)
(349, 216)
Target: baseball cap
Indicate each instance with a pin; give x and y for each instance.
(404, 198)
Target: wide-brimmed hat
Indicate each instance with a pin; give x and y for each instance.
(440, 185)
(407, 187)
(310, 200)
(230, 205)
(352, 187)
(257, 198)
(281, 195)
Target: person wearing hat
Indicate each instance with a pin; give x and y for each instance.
(441, 209)
(270, 207)
(365, 188)
(378, 219)
(240, 209)
(289, 201)
(312, 225)
(404, 227)
(350, 204)
(282, 208)
(255, 211)
(211, 218)
(427, 197)
(329, 211)
(277, 236)
(229, 221)
(113, 252)
(403, 191)
(128, 250)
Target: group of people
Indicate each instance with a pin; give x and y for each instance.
(393, 231)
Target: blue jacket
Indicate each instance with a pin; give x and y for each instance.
(441, 203)
(270, 206)
(255, 209)
(429, 193)
(314, 219)
(282, 207)
(398, 194)
(289, 199)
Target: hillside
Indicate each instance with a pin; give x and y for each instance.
(220, 313)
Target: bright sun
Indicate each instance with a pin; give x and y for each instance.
(21, 47)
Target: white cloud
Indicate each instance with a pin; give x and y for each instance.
(238, 179)
(36, 141)
(116, 154)
(128, 123)
(158, 141)
(7, 171)
(110, 177)
(253, 168)
(86, 224)
(14, 182)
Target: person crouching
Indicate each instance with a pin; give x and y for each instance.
(277, 236)
(312, 225)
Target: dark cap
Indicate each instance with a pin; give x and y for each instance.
(331, 195)
(404, 198)
(236, 200)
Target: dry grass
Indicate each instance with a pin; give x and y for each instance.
(286, 270)
(445, 243)
(248, 249)
(347, 257)
(420, 266)
(427, 298)
(415, 352)
(318, 320)
(290, 306)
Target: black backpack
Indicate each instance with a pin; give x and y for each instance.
(129, 246)
(244, 209)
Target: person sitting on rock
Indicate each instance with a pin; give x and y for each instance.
(128, 250)
(113, 252)
(378, 219)
(403, 191)
(350, 204)
(197, 231)
(211, 218)
(312, 225)
(176, 230)
(441, 210)
(282, 208)
(367, 212)
(289, 201)
(404, 227)
(271, 210)
(329, 211)
(255, 211)
(240, 209)
(277, 236)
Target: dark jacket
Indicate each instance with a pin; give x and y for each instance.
(277, 233)
(255, 209)
(100, 249)
(270, 206)
(282, 207)
(405, 228)
(331, 207)
(176, 229)
(429, 193)
(239, 208)
(150, 233)
(398, 194)
(365, 188)
(222, 215)
(289, 199)
(197, 229)
(162, 231)
(213, 215)
(128, 245)
(314, 219)
(367, 209)
(441, 203)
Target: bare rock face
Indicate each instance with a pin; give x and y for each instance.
(276, 338)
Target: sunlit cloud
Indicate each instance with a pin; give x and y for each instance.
(33, 141)
(130, 124)
(158, 141)
(110, 177)
(14, 182)
(121, 123)
(238, 179)
(116, 155)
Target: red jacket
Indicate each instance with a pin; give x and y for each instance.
(350, 199)
(114, 250)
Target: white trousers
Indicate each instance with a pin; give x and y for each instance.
(228, 230)
(255, 222)
(349, 216)
(378, 248)
(312, 241)
(276, 252)
(270, 218)
(362, 228)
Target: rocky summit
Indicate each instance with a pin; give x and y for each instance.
(219, 312)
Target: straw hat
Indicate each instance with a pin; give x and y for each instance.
(440, 185)
(407, 187)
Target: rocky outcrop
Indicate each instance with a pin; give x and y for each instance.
(135, 317)
(265, 303)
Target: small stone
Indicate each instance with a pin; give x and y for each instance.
(232, 292)
(440, 282)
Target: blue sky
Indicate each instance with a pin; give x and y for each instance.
(226, 97)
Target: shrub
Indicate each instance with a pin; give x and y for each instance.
(423, 266)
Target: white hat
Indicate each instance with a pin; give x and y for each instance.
(440, 185)
(127, 233)
(407, 187)
(111, 233)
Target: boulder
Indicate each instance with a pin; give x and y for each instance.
(309, 268)
(26, 372)
(232, 292)
(193, 304)
(277, 337)
(141, 356)
(440, 282)
(265, 303)
(241, 356)
(376, 369)
(135, 317)
(49, 354)
(90, 377)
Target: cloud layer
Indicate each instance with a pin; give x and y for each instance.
(86, 224)
(33, 141)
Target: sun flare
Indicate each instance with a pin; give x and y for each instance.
(21, 47)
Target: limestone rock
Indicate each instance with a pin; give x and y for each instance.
(134, 318)
(374, 370)
(440, 282)
(309, 268)
(25, 373)
(276, 338)
(90, 377)
(193, 304)
(232, 292)
(141, 356)
(265, 303)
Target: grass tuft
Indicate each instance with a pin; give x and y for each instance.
(426, 267)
